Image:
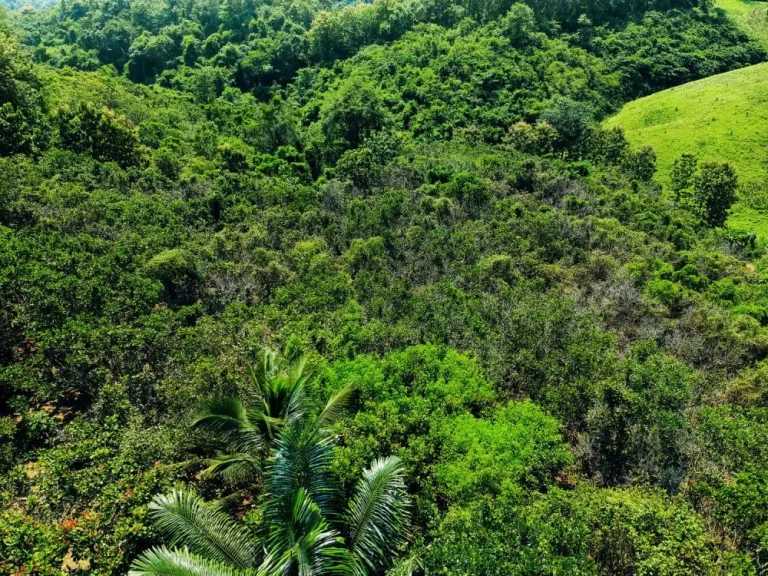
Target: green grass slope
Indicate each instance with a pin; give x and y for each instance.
(723, 118)
(751, 16)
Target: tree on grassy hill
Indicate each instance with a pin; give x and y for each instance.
(681, 178)
(714, 191)
(640, 164)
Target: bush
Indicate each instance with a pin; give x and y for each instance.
(515, 449)
(35, 430)
(402, 405)
(642, 531)
(177, 271)
(569, 118)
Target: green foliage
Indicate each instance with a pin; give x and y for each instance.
(711, 118)
(512, 537)
(641, 164)
(177, 270)
(583, 532)
(350, 117)
(378, 514)
(403, 402)
(182, 563)
(647, 533)
(22, 123)
(35, 430)
(538, 139)
(102, 133)
(248, 430)
(298, 513)
(570, 119)
(86, 497)
(203, 531)
(638, 425)
(681, 177)
(750, 16)
(516, 447)
(553, 358)
(714, 191)
(741, 510)
(650, 66)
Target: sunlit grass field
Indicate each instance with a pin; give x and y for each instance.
(751, 16)
(723, 118)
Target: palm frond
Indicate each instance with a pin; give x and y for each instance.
(335, 406)
(281, 392)
(232, 468)
(378, 514)
(302, 542)
(176, 562)
(285, 399)
(301, 459)
(264, 371)
(270, 426)
(188, 521)
(229, 419)
(298, 371)
(407, 566)
(294, 400)
(294, 383)
(231, 501)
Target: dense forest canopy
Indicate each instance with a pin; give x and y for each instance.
(371, 288)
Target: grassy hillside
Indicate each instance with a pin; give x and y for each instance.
(723, 118)
(751, 16)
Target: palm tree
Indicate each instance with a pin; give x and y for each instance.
(249, 430)
(303, 533)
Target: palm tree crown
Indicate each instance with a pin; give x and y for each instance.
(304, 531)
(249, 430)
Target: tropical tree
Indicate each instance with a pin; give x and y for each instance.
(303, 531)
(248, 431)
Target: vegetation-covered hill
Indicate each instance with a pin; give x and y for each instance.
(504, 348)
